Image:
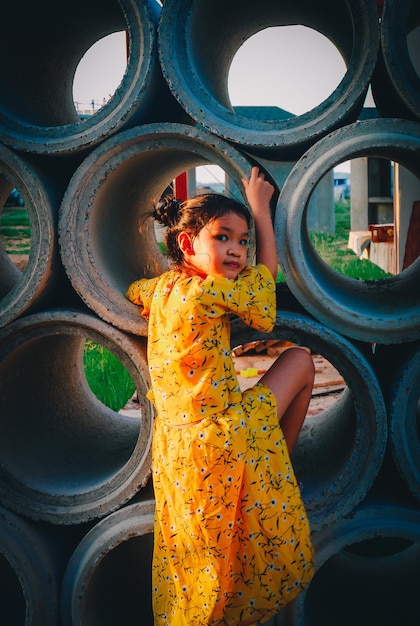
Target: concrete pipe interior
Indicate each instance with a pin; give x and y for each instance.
(198, 41)
(112, 564)
(28, 574)
(22, 287)
(365, 566)
(404, 428)
(396, 78)
(341, 449)
(10, 271)
(384, 311)
(66, 457)
(105, 241)
(37, 112)
(12, 598)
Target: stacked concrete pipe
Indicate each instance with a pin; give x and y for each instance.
(112, 562)
(37, 112)
(22, 289)
(76, 527)
(395, 81)
(29, 573)
(105, 241)
(354, 579)
(66, 457)
(196, 49)
(404, 416)
(378, 311)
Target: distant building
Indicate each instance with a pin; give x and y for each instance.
(341, 186)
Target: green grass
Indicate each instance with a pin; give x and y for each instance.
(107, 377)
(15, 230)
(332, 248)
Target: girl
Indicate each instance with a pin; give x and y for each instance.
(231, 538)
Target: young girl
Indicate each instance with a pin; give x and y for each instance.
(231, 538)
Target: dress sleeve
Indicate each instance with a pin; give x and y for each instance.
(252, 297)
(141, 292)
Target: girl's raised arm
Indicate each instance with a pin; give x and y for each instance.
(259, 192)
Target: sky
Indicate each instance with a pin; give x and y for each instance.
(292, 67)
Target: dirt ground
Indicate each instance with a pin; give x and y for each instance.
(20, 260)
(260, 355)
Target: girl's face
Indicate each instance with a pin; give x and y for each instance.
(221, 247)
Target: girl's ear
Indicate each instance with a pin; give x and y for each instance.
(185, 243)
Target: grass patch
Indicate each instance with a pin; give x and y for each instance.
(15, 230)
(107, 377)
(333, 249)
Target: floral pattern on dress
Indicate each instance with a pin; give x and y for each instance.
(231, 539)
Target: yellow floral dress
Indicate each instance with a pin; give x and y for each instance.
(231, 539)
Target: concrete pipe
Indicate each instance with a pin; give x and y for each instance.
(404, 412)
(29, 592)
(367, 571)
(198, 41)
(102, 209)
(41, 48)
(108, 577)
(396, 78)
(19, 290)
(67, 458)
(384, 311)
(340, 450)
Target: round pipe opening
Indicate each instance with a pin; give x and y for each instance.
(360, 560)
(66, 456)
(28, 570)
(37, 111)
(383, 311)
(106, 242)
(23, 286)
(197, 46)
(112, 564)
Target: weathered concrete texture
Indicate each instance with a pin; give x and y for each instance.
(105, 241)
(404, 407)
(108, 580)
(66, 458)
(385, 311)
(198, 40)
(37, 112)
(29, 574)
(396, 78)
(366, 563)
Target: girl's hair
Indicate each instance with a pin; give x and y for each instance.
(191, 216)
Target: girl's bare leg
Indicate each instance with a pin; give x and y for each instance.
(291, 379)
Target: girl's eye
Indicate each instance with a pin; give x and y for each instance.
(244, 242)
(222, 237)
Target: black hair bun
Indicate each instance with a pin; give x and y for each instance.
(166, 211)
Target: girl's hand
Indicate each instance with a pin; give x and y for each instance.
(259, 193)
